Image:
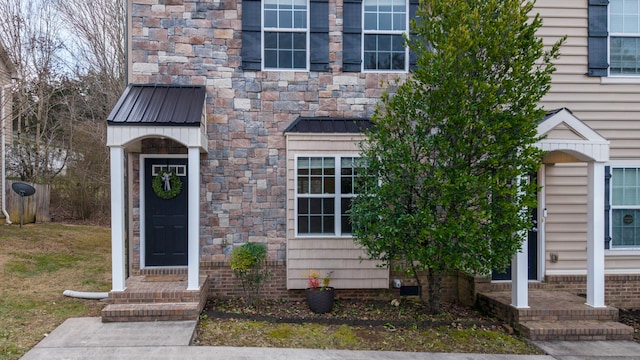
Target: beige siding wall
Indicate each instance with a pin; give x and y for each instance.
(611, 106)
(5, 109)
(337, 254)
(566, 222)
(612, 109)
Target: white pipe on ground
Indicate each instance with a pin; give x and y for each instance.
(86, 294)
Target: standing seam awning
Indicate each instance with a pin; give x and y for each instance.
(171, 111)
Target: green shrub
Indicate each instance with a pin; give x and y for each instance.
(248, 263)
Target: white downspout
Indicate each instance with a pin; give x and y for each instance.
(4, 167)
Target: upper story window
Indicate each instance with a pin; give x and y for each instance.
(278, 34)
(325, 187)
(285, 34)
(385, 22)
(614, 38)
(373, 35)
(624, 37)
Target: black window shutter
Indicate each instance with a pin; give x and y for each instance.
(319, 35)
(251, 35)
(352, 36)
(413, 7)
(607, 207)
(598, 19)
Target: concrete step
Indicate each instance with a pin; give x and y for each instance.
(175, 311)
(576, 330)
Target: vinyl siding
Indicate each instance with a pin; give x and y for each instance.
(566, 222)
(563, 132)
(337, 254)
(611, 109)
(5, 78)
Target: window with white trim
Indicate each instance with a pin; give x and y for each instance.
(325, 186)
(625, 207)
(385, 23)
(624, 37)
(285, 34)
(179, 170)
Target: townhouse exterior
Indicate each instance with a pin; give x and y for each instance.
(258, 108)
(7, 74)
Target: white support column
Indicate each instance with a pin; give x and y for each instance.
(194, 219)
(595, 235)
(117, 219)
(519, 277)
(519, 271)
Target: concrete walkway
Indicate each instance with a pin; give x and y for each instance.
(89, 338)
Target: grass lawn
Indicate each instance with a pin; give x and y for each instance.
(37, 263)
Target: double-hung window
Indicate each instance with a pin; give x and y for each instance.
(625, 207)
(624, 37)
(325, 186)
(385, 23)
(285, 34)
(373, 35)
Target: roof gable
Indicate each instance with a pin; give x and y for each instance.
(563, 120)
(563, 133)
(9, 65)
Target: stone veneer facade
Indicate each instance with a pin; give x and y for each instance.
(182, 42)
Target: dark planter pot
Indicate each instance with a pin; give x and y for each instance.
(320, 301)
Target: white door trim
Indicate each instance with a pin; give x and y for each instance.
(143, 158)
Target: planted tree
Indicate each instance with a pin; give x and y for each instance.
(248, 263)
(445, 185)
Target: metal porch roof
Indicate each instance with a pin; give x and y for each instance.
(159, 105)
(328, 125)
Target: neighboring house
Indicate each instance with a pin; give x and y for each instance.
(7, 74)
(259, 106)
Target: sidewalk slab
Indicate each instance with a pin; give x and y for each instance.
(89, 338)
(92, 332)
(587, 350)
(247, 353)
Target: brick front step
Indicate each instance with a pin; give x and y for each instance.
(575, 330)
(154, 296)
(544, 306)
(591, 314)
(151, 312)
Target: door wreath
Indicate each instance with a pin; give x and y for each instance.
(166, 185)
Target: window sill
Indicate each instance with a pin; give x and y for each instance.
(612, 80)
(622, 252)
(322, 236)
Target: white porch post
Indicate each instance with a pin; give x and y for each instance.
(519, 277)
(595, 235)
(117, 218)
(520, 271)
(194, 219)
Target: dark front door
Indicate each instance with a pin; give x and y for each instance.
(165, 219)
(532, 253)
(532, 249)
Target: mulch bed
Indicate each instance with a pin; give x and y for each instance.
(353, 313)
(632, 318)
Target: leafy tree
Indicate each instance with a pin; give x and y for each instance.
(70, 58)
(441, 190)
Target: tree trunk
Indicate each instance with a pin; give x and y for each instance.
(434, 279)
